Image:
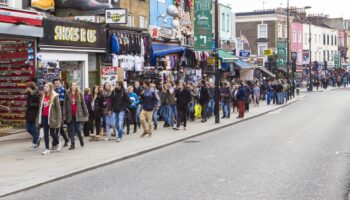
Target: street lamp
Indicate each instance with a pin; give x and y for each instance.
(288, 51)
(217, 70)
(310, 55)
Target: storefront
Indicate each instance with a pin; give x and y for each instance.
(71, 50)
(19, 31)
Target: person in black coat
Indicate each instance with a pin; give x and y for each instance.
(33, 101)
(248, 94)
(183, 97)
(241, 98)
(96, 112)
(204, 98)
(88, 125)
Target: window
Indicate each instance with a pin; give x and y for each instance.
(327, 39)
(143, 22)
(295, 37)
(335, 40)
(286, 31)
(299, 37)
(332, 40)
(131, 22)
(228, 23)
(324, 39)
(223, 22)
(280, 30)
(261, 48)
(262, 31)
(306, 38)
(4, 2)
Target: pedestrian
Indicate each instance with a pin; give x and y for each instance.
(183, 98)
(164, 106)
(234, 99)
(241, 98)
(50, 117)
(248, 93)
(62, 93)
(269, 93)
(226, 94)
(156, 108)
(33, 101)
(88, 125)
(96, 112)
(256, 94)
(211, 104)
(134, 102)
(75, 113)
(204, 98)
(150, 101)
(108, 115)
(120, 103)
(172, 104)
(137, 90)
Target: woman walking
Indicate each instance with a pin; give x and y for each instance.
(50, 117)
(96, 112)
(75, 113)
(88, 126)
(107, 109)
(132, 115)
(33, 100)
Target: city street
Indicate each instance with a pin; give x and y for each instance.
(297, 152)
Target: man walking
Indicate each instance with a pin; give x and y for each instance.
(61, 95)
(183, 97)
(150, 102)
(204, 98)
(241, 98)
(226, 100)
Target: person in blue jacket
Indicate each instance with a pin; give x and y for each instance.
(241, 98)
(132, 117)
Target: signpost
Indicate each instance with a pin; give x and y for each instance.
(203, 25)
(281, 54)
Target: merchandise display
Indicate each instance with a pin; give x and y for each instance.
(17, 64)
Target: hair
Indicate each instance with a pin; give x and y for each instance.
(87, 91)
(57, 79)
(32, 85)
(104, 87)
(50, 91)
(121, 84)
(71, 90)
(203, 82)
(93, 90)
(147, 83)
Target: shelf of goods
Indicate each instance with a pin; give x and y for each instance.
(17, 64)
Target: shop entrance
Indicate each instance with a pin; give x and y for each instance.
(72, 71)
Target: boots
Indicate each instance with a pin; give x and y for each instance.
(72, 147)
(83, 5)
(92, 137)
(44, 5)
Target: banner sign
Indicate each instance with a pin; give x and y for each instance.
(281, 54)
(268, 52)
(336, 60)
(116, 16)
(306, 57)
(244, 53)
(108, 74)
(203, 25)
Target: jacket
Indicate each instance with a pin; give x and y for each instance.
(33, 101)
(55, 112)
(241, 93)
(88, 100)
(134, 100)
(183, 98)
(120, 100)
(226, 94)
(82, 114)
(164, 98)
(172, 97)
(150, 100)
(97, 106)
(204, 96)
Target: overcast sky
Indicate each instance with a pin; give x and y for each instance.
(335, 8)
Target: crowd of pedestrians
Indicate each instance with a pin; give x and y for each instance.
(102, 110)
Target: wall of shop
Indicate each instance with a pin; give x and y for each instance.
(157, 9)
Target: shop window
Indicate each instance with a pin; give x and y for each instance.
(262, 31)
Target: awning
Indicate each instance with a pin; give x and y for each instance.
(266, 71)
(165, 49)
(242, 64)
(227, 57)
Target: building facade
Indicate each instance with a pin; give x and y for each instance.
(225, 26)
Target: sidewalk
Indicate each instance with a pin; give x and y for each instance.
(303, 90)
(22, 168)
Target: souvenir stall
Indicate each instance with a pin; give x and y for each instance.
(19, 30)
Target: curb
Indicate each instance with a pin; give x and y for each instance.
(135, 154)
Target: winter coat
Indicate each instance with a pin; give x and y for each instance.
(33, 101)
(183, 98)
(120, 100)
(82, 114)
(107, 102)
(164, 98)
(241, 93)
(171, 97)
(226, 94)
(97, 105)
(150, 100)
(55, 112)
(204, 96)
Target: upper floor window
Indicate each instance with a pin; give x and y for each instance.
(335, 40)
(299, 37)
(223, 22)
(295, 37)
(286, 31)
(131, 21)
(143, 22)
(280, 30)
(262, 31)
(261, 48)
(4, 2)
(228, 23)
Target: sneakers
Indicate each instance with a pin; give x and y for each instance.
(54, 148)
(59, 147)
(106, 139)
(33, 146)
(119, 139)
(144, 133)
(176, 128)
(46, 152)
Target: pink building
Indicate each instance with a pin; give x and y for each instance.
(297, 39)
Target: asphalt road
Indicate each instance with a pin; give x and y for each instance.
(299, 152)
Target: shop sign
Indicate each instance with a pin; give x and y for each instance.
(116, 16)
(268, 52)
(73, 34)
(294, 55)
(260, 61)
(211, 61)
(108, 74)
(20, 17)
(244, 53)
(165, 33)
(336, 60)
(306, 57)
(203, 25)
(281, 54)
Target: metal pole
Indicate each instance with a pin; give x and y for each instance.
(288, 31)
(310, 56)
(217, 70)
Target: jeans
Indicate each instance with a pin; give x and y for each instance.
(138, 113)
(155, 117)
(211, 107)
(268, 97)
(109, 119)
(190, 110)
(32, 130)
(75, 128)
(204, 112)
(280, 98)
(226, 108)
(97, 119)
(165, 113)
(119, 122)
(47, 129)
(172, 114)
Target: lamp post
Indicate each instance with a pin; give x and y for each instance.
(217, 70)
(310, 56)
